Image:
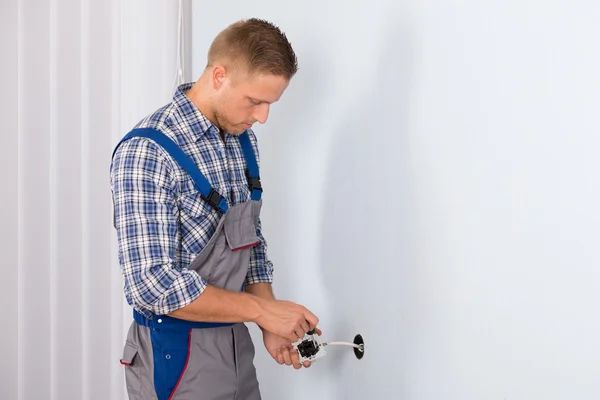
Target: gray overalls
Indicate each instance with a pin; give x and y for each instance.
(168, 358)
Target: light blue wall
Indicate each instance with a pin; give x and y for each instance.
(433, 168)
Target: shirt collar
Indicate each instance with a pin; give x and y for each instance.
(199, 125)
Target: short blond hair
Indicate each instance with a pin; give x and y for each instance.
(256, 46)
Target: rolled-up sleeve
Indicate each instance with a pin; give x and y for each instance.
(146, 222)
(261, 268)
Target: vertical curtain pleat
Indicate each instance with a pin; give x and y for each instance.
(34, 201)
(87, 72)
(65, 198)
(100, 354)
(9, 192)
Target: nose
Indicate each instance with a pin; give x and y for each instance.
(262, 113)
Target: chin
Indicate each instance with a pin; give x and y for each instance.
(236, 131)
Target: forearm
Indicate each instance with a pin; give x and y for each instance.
(219, 305)
(262, 290)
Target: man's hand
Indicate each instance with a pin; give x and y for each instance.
(285, 319)
(282, 350)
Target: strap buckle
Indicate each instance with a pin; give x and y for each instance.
(213, 198)
(253, 183)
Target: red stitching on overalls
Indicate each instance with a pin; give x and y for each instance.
(245, 247)
(187, 360)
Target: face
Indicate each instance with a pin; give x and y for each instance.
(245, 99)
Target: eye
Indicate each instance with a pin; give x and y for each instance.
(254, 101)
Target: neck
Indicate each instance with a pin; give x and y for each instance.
(198, 95)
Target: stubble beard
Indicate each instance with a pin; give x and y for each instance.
(225, 125)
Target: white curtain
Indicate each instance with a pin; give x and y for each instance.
(87, 71)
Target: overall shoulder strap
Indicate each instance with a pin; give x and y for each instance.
(200, 182)
(252, 173)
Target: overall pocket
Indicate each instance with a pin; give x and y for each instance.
(240, 227)
(132, 370)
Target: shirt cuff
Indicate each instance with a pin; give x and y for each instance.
(183, 291)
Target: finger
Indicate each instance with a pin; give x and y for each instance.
(295, 359)
(305, 326)
(287, 359)
(288, 346)
(306, 364)
(315, 330)
(299, 334)
(311, 318)
(292, 337)
(273, 354)
(279, 358)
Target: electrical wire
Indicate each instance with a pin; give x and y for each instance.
(360, 347)
(180, 49)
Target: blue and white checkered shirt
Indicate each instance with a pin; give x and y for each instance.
(161, 221)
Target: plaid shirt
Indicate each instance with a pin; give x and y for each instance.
(161, 221)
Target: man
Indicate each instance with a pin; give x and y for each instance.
(187, 198)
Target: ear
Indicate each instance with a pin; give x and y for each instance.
(219, 73)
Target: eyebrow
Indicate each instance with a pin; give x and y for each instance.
(257, 100)
(260, 100)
